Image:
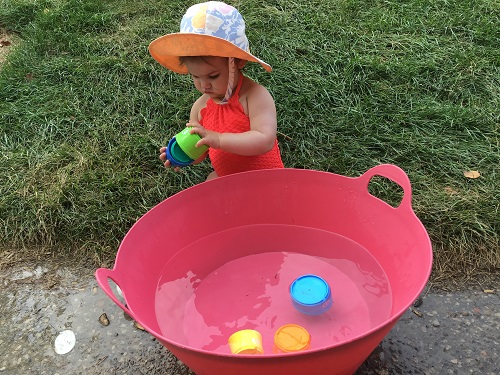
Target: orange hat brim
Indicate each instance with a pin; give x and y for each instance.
(168, 48)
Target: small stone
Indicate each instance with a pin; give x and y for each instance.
(65, 342)
(418, 302)
(382, 357)
(435, 323)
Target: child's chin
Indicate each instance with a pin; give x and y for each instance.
(216, 97)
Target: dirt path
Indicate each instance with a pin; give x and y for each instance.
(457, 333)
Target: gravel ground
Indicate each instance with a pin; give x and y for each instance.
(449, 333)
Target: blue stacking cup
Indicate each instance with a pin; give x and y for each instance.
(311, 295)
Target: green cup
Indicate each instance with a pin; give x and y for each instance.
(187, 142)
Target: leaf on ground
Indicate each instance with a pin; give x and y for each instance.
(472, 174)
(416, 312)
(450, 191)
(489, 291)
(103, 319)
(138, 326)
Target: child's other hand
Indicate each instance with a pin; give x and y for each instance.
(166, 162)
(208, 137)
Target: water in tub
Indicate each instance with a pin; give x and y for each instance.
(239, 279)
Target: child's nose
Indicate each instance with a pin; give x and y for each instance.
(205, 84)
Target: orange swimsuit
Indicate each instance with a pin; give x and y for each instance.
(231, 118)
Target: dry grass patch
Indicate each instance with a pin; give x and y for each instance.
(7, 41)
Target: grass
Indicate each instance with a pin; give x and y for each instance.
(84, 108)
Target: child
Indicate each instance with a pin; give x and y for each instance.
(234, 116)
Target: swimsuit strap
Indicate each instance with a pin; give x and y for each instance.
(240, 83)
(230, 80)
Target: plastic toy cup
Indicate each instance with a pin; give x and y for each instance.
(182, 150)
(246, 341)
(291, 338)
(176, 155)
(187, 142)
(311, 295)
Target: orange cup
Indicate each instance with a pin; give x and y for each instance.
(291, 338)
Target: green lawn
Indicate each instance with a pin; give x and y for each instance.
(84, 109)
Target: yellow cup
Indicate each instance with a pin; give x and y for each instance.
(291, 338)
(246, 341)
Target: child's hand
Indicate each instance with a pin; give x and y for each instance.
(208, 137)
(166, 162)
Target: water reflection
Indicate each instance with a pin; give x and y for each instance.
(240, 297)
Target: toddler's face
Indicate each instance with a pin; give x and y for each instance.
(210, 75)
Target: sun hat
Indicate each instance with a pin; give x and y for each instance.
(212, 28)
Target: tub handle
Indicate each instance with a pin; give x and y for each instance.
(395, 174)
(103, 275)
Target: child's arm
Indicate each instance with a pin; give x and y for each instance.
(263, 126)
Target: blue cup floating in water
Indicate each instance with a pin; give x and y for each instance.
(311, 295)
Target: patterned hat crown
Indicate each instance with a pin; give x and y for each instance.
(216, 19)
(212, 28)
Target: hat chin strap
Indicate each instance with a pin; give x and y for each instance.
(230, 80)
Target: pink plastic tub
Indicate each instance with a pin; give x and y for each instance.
(219, 257)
